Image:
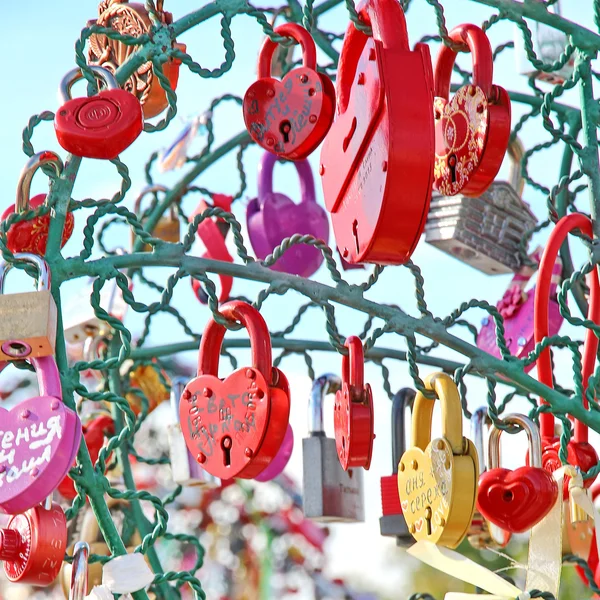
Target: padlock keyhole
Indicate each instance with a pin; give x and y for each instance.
(226, 447)
(428, 516)
(285, 127)
(508, 496)
(355, 234)
(347, 139)
(452, 167)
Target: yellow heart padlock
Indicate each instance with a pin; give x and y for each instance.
(437, 479)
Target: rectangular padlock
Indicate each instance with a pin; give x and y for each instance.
(167, 228)
(27, 320)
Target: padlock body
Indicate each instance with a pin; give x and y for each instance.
(167, 229)
(393, 523)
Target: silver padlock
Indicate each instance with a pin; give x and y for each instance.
(484, 232)
(330, 493)
(392, 523)
(185, 469)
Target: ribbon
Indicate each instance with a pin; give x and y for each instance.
(127, 573)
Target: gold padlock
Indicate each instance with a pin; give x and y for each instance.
(27, 320)
(167, 228)
(148, 379)
(578, 529)
(437, 479)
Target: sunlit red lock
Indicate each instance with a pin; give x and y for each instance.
(377, 160)
(32, 236)
(290, 117)
(353, 410)
(100, 126)
(235, 426)
(472, 128)
(33, 544)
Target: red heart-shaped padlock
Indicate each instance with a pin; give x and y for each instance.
(100, 126)
(290, 117)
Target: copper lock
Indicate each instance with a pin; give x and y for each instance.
(149, 379)
(167, 228)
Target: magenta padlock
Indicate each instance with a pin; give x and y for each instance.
(272, 217)
(516, 307)
(39, 439)
(279, 463)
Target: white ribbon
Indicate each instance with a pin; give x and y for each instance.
(126, 574)
(101, 592)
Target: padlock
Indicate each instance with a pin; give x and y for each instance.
(32, 545)
(28, 319)
(149, 379)
(484, 232)
(290, 117)
(471, 129)
(167, 228)
(100, 126)
(437, 479)
(516, 500)
(517, 310)
(32, 236)
(281, 459)
(272, 217)
(482, 533)
(133, 19)
(353, 416)
(377, 160)
(330, 493)
(283, 57)
(549, 44)
(392, 523)
(235, 426)
(185, 470)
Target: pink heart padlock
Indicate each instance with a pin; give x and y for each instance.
(279, 463)
(38, 442)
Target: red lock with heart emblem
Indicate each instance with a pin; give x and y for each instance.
(290, 117)
(377, 160)
(234, 427)
(353, 410)
(100, 126)
(32, 236)
(580, 452)
(472, 128)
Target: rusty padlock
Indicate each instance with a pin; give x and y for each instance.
(167, 228)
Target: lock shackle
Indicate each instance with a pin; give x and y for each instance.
(79, 571)
(74, 75)
(483, 62)
(43, 280)
(265, 179)
(36, 161)
(400, 402)
(353, 364)
(516, 151)
(151, 189)
(177, 386)
(323, 385)
(48, 377)
(388, 22)
(447, 393)
(557, 238)
(260, 339)
(479, 420)
(534, 440)
(298, 33)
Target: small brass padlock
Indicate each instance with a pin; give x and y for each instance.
(167, 228)
(437, 479)
(27, 320)
(148, 379)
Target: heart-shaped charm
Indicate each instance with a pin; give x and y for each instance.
(516, 500)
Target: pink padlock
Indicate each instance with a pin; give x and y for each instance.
(516, 307)
(38, 442)
(279, 463)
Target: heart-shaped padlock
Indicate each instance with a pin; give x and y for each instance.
(437, 479)
(289, 117)
(471, 129)
(101, 126)
(32, 236)
(279, 463)
(235, 426)
(353, 415)
(40, 438)
(272, 217)
(516, 500)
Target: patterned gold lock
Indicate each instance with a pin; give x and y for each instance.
(437, 479)
(148, 379)
(167, 228)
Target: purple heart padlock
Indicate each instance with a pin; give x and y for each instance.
(516, 307)
(39, 439)
(278, 464)
(272, 217)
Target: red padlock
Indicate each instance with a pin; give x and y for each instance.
(32, 546)
(32, 236)
(353, 410)
(580, 452)
(290, 117)
(235, 426)
(100, 126)
(472, 128)
(377, 160)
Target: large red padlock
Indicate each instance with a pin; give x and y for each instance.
(234, 427)
(377, 160)
(32, 236)
(353, 415)
(290, 117)
(472, 128)
(100, 126)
